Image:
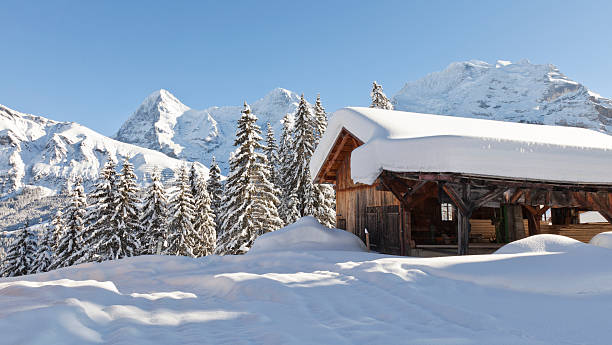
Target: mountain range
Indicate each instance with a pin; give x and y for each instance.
(518, 92)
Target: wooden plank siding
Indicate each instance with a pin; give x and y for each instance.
(353, 201)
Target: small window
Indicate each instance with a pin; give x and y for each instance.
(447, 212)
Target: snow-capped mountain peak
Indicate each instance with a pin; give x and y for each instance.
(40, 152)
(165, 124)
(519, 92)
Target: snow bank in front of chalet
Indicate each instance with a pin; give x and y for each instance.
(317, 297)
(545, 243)
(307, 234)
(603, 239)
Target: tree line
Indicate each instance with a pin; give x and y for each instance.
(268, 186)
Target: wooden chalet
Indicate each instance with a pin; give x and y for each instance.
(425, 184)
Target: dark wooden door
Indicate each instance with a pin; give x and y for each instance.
(391, 229)
(373, 226)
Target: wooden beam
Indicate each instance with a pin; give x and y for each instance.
(487, 197)
(517, 194)
(457, 200)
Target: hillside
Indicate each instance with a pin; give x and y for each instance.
(517, 92)
(36, 151)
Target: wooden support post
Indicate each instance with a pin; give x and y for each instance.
(407, 231)
(514, 220)
(463, 233)
(367, 236)
(534, 218)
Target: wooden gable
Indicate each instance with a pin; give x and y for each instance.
(345, 143)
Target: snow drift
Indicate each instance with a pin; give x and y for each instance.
(544, 243)
(307, 234)
(551, 291)
(603, 239)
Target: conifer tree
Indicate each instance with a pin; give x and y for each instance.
(204, 219)
(288, 205)
(271, 151)
(248, 200)
(126, 239)
(379, 99)
(57, 229)
(154, 218)
(3, 245)
(303, 147)
(70, 247)
(44, 251)
(20, 253)
(215, 190)
(324, 194)
(182, 238)
(101, 226)
(320, 119)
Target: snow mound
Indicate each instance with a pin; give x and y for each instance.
(307, 234)
(545, 243)
(603, 239)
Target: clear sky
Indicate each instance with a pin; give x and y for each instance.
(94, 61)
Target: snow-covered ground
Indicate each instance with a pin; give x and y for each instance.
(547, 290)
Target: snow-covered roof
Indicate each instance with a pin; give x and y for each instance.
(413, 142)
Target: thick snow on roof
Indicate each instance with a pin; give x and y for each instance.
(412, 142)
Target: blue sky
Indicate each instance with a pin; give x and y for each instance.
(94, 61)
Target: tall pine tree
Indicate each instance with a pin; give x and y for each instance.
(20, 253)
(44, 251)
(101, 226)
(182, 238)
(69, 248)
(379, 99)
(215, 190)
(289, 204)
(304, 142)
(248, 201)
(325, 196)
(154, 217)
(204, 218)
(271, 151)
(57, 229)
(126, 239)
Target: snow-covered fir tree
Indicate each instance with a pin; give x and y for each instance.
(271, 151)
(304, 142)
(320, 119)
(325, 196)
(288, 207)
(70, 246)
(182, 238)
(249, 202)
(379, 99)
(154, 217)
(3, 246)
(20, 254)
(44, 251)
(56, 227)
(215, 189)
(101, 226)
(126, 239)
(204, 218)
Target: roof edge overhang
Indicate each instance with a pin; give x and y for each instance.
(344, 138)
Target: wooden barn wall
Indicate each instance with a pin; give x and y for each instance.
(352, 200)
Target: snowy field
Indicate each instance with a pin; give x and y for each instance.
(543, 290)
